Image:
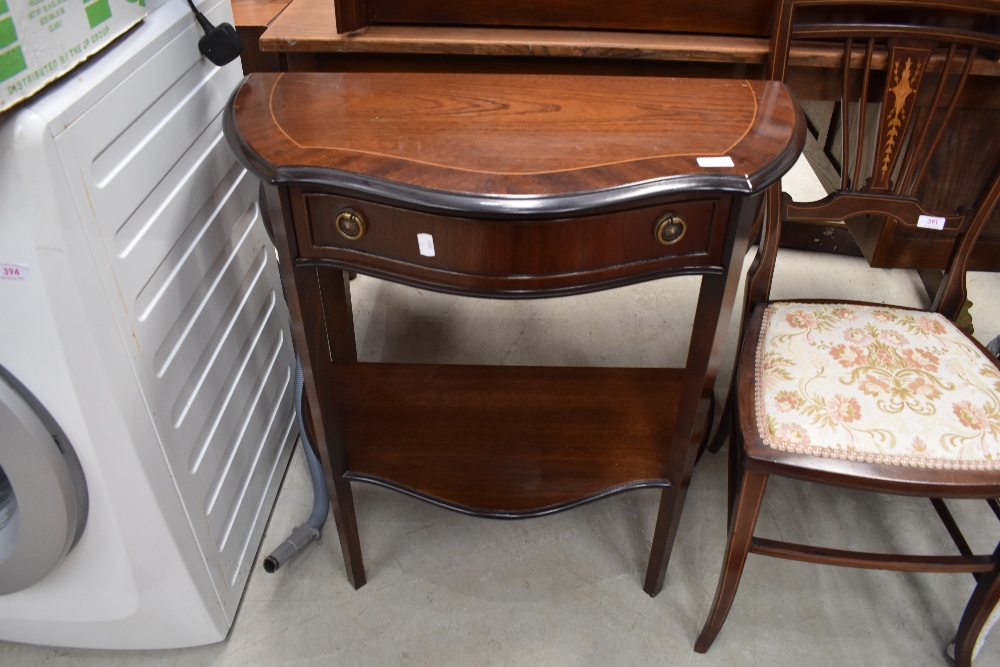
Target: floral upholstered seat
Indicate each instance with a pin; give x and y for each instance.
(877, 384)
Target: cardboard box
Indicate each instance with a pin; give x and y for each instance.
(40, 40)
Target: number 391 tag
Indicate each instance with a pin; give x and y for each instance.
(13, 272)
(930, 222)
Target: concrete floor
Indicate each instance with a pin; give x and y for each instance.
(446, 589)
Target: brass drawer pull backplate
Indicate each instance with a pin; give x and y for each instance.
(669, 228)
(351, 224)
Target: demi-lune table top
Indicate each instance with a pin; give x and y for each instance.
(515, 142)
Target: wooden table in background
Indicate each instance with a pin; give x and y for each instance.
(508, 186)
(251, 18)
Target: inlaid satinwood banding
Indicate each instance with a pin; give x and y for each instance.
(514, 136)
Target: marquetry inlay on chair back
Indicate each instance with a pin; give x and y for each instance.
(910, 62)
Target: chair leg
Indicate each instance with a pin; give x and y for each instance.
(977, 612)
(751, 493)
(733, 477)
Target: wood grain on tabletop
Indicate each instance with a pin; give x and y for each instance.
(506, 134)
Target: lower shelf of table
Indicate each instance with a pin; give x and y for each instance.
(507, 440)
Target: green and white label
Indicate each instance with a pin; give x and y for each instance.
(11, 55)
(42, 39)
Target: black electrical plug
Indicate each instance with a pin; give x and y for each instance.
(220, 44)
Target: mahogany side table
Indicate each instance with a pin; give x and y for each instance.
(508, 186)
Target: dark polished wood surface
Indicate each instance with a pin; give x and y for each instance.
(306, 33)
(514, 258)
(555, 453)
(310, 26)
(498, 135)
(528, 186)
(751, 17)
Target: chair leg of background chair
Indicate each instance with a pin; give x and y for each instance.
(707, 439)
(977, 612)
(725, 423)
(750, 495)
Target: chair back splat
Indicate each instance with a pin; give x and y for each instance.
(904, 68)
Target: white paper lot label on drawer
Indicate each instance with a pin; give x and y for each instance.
(722, 161)
(426, 244)
(930, 222)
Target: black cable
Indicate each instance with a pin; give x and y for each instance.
(205, 24)
(220, 44)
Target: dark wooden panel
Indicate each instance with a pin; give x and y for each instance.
(351, 61)
(310, 27)
(750, 17)
(351, 14)
(448, 432)
(252, 58)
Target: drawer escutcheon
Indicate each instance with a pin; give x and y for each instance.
(351, 224)
(669, 228)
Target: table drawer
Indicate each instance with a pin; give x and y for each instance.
(511, 255)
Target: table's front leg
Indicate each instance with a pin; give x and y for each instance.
(708, 337)
(330, 340)
(322, 323)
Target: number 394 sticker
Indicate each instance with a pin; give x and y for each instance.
(13, 272)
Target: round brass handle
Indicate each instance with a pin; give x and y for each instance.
(669, 228)
(351, 224)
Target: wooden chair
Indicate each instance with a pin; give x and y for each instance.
(867, 396)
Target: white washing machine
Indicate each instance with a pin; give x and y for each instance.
(146, 414)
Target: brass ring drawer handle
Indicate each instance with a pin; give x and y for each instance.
(351, 224)
(669, 228)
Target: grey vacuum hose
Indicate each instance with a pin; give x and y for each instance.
(310, 530)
